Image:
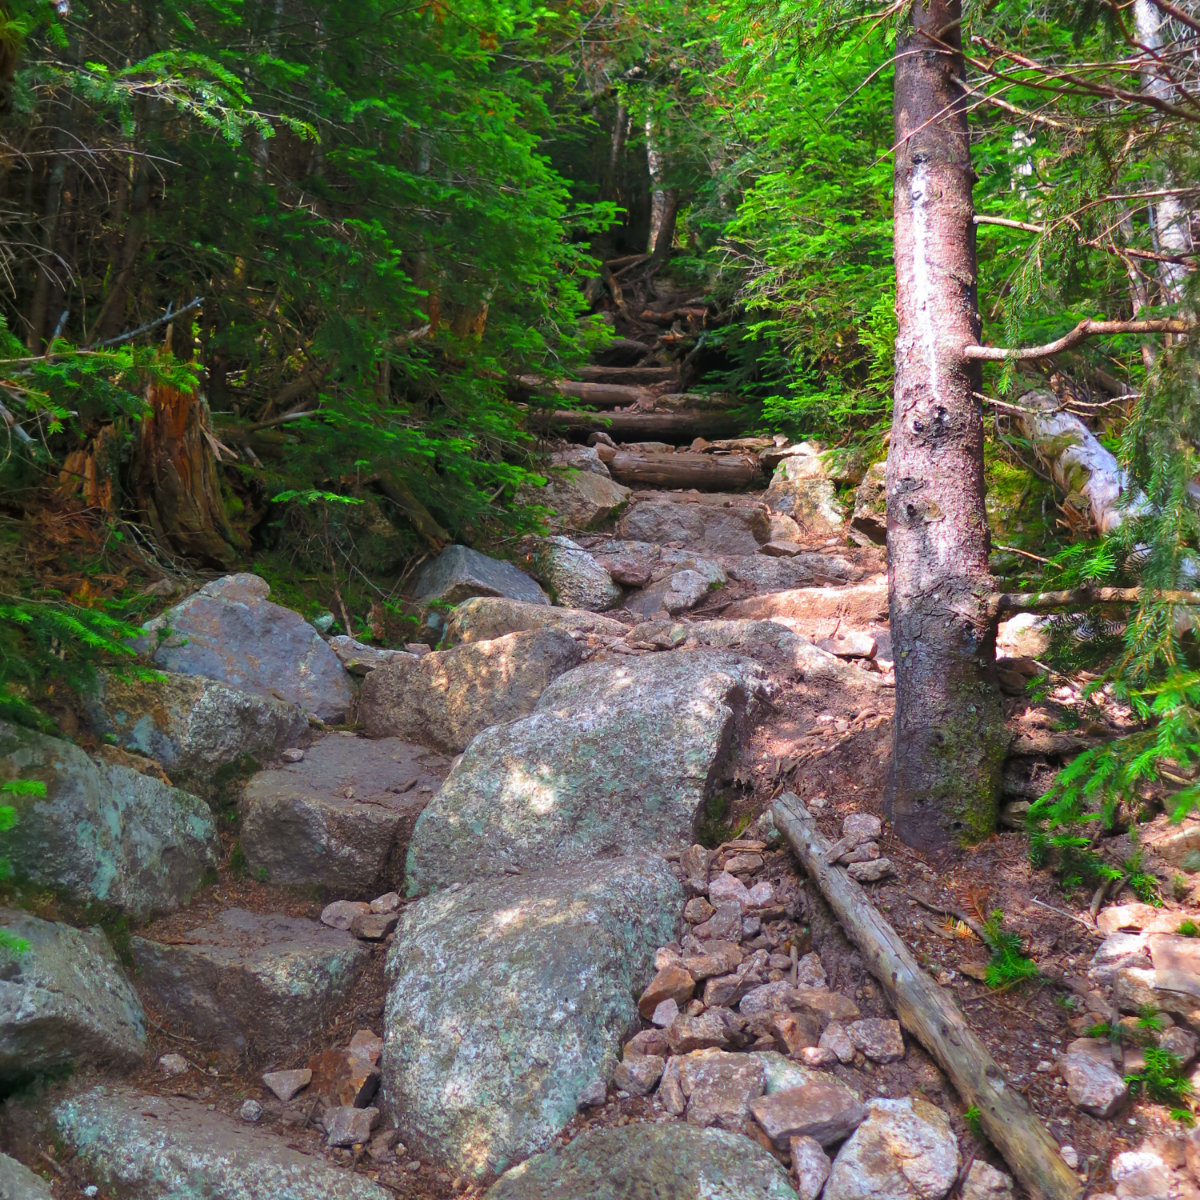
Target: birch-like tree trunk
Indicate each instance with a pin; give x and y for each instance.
(950, 739)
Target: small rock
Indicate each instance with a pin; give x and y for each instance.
(792, 1032)
(781, 549)
(879, 1039)
(863, 852)
(1045, 1066)
(810, 972)
(373, 927)
(751, 927)
(1141, 1174)
(671, 983)
(724, 924)
(1093, 1084)
(714, 1028)
(665, 1014)
(694, 863)
(761, 893)
(648, 1041)
(725, 888)
(1179, 1042)
(639, 1074)
(670, 1089)
(984, 1182)
(697, 910)
(870, 872)
(384, 1146)
(817, 1057)
(389, 902)
(366, 1044)
(346, 1126)
(904, 1150)
(173, 1064)
(1070, 1156)
(810, 1166)
(341, 913)
(823, 1108)
(345, 1077)
(719, 1087)
(593, 1095)
(287, 1084)
(769, 997)
(293, 754)
(743, 863)
(718, 958)
(829, 1006)
(836, 1039)
(251, 1111)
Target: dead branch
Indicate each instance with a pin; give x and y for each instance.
(930, 1015)
(1002, 603)
(1085, 329)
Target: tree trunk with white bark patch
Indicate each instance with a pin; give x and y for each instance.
(950, 739)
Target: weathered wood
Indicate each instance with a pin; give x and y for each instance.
(675, 427)
(1003, 603)
(600, 395)
(627, 375)
(929, 1014)
(705, 472)
(623, 352)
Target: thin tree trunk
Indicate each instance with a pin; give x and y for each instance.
(664, 201)
(950, 739)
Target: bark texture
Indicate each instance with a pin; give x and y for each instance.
(950, 738)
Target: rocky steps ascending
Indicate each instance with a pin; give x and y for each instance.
(565, 947)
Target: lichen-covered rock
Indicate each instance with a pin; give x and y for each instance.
(64, 1000)
(483, 618)
(869, 520)
(740, 529)
(509, 997)
(251, 986)
(144, 1147)
(649, 1162)
(341, 818)
(578, 498)
(359, 658)
(230, 632)
(904, 1150)
(687, 583)
(18, 1182)
(460, 572)
(194, 726)
(444, 699)
(617, 758)
(804, 570)
(572, 576)
(103, 833)
(799, 490)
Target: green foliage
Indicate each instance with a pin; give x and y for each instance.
(8, 818)
(1188, 928)
(1162, 1079)
(974, 1119)
(1009, 964)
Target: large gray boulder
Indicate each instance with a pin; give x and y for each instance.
(868, 524)
(648, 1161)
(509, 997)
(145, 1147)
(578, 498)
(18, 1182)
(739, 529)
(805, 570)
(103, 833)
(444, 699)
(251, 986)
(572, 576)
(618, 757)
(230, 632)
(460, 572)
(485, 617)
(194, 726)
(64, 1000)
(341, 818)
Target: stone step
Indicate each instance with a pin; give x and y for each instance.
(509, 1000)
(341, 818)
(251, 986)
(148, 1147)
(618, 757)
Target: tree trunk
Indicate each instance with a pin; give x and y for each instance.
(176, 480)
(705, 472)
(600, 395)
(950, 740)
(674, 427)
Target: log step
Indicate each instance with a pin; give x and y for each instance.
(628, 374)
(678, 428)
(704, 472)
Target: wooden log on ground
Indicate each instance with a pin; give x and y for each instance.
(628, 375)
(705, 472)
(928, 1013)
(678, 428)
(623, 352)
(600, 395)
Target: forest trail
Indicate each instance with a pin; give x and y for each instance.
(559, 811)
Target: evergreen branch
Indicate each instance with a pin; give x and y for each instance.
(1120, 251)
(1086, 328)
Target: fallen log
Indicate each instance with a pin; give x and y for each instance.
(675, 427)
(634, 375)
(705, 472)
(928, 1013)
(1004, 603)
(672, 315)
(623, 352)
(601, 395)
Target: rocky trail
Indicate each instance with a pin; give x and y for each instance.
(509, 916)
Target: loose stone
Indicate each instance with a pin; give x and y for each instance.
(346, 1126)
(810, 1166)
(251, 1111)
(823, 1108)
(341, 913)
(671, 983)
(287, 1084)
(173, 1064)
(639, 1073)
(880, 1040)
